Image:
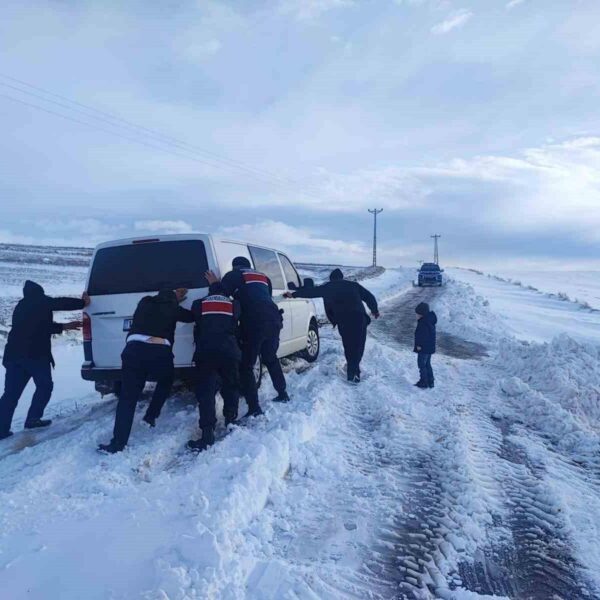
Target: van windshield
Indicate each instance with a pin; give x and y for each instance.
(148, 267)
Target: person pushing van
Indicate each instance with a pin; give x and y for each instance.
(260, 328)
(148, 356)
(217, 356)
(343, 301)
(28, 353)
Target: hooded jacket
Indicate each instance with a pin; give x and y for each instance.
(158, 315)
(216, 317)
(425, 334)
(33, 325)
(343, 299)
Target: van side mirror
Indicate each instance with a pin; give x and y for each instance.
(309, 282)
(292, 286)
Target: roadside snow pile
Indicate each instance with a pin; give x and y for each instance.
(555, 388)
(462, 312)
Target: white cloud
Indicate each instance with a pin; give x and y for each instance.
(513, 3)
(157, 226)
(202, 49)
(554, 185)
(458, 19)
(90, 228)
(305, 10)
(300, 242)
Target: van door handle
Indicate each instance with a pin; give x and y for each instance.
(111, 312)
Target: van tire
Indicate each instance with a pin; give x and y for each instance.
(313, 343)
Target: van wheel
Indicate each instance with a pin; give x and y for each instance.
(313, 343)
(258, 372)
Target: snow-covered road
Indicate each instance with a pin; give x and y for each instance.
(488, 484)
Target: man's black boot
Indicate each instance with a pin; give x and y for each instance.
(151, 421)
(432, 384)
(230, 420)
(207, 440)
(255, 411)
(111, 448)
(281, 397)
(38, 423)
(5, 434)
(422, 385)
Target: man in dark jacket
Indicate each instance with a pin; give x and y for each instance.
(217, 357)
(343, 302)
(260, 328)
(148, 356)
(425, 335)
(28, 353)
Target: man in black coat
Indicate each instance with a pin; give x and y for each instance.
(260, 328)
(28, 353)
(425, 338)
(343, 301)
(148, 356)
(217, 359)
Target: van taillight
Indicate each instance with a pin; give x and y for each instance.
(87, 328)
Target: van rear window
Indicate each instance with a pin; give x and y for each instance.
(148, 267)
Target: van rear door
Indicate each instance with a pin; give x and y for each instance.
(122, 274)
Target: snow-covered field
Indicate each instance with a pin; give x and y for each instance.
(578, 286)
(486, 485)
(530, 314)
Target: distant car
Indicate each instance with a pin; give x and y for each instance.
(122, 272)
(430, 274)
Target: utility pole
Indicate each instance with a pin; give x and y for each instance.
(436, 258)
(375, 212)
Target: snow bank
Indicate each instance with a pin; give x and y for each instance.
(555, 387)
(463, 312)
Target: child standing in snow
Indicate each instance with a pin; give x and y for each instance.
(425, 344)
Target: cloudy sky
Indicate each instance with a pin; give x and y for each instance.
(282, 121)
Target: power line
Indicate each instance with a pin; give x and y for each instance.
(184, 149)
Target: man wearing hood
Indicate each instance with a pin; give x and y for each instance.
(28, 353)
(217, 359)
(260, 328)
(148, 356)
(343, 302)
(425, 338)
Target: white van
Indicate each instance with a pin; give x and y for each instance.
(122, 272)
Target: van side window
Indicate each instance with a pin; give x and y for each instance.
(266, 262)
(291, 276)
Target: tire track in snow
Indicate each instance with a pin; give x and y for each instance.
(536, 561)
(527, 551)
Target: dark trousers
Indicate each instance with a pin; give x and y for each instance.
(212, 370)
(18, 374)
(142, 362)
(263, 342)
(354, 337)
(425, 370)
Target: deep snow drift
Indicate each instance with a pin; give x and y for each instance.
(486, 485)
